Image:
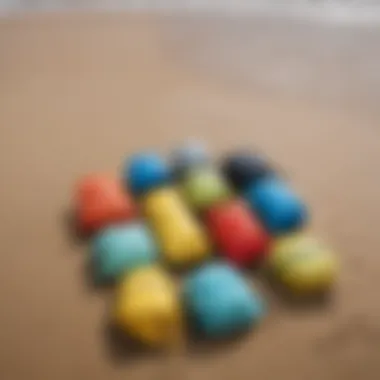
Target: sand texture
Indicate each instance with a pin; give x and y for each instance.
(78, 93)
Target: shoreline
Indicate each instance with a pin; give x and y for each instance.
(366, 13)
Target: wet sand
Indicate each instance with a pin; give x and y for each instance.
(80, 92)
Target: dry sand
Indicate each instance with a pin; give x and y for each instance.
(78, 93)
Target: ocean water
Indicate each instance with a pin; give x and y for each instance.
(349, 11)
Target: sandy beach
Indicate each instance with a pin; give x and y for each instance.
(79, 92)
